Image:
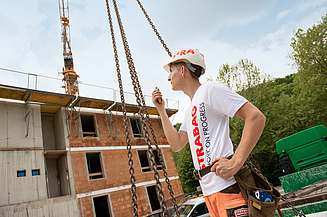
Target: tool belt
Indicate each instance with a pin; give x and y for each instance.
(249, 181)
(198, 174)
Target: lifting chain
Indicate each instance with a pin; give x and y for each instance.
(147, 114)
(142, 112)
(138, 93)
(154, 28)
(129, 152)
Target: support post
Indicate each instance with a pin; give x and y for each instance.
(27, 113)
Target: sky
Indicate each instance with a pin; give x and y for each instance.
(224, 31)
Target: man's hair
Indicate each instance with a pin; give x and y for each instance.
(195, 72)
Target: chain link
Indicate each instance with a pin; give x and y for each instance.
(154, 28)
(147, 114)
(143, 113)
(121, 91)
(138, 95)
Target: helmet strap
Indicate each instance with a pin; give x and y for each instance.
(191, 67)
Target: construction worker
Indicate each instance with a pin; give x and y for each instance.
(206, 128)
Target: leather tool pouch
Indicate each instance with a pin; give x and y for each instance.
(250, 181)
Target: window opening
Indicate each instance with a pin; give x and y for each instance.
(21, 173)
(88, 126)
(94, 165)
(145, 160)
(101, 207)
(36, 172)
(153, 197)
(145, 164)
(136, 127)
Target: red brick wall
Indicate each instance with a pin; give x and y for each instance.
(103, 139)
(121, 201)
(86, 206)
(116, 168)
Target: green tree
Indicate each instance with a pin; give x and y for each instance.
(310, 57)
(242, 75)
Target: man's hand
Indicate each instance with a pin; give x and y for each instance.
(224, 167)
(156, 94)
(176, 140)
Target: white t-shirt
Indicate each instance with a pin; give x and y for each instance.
(206, 122)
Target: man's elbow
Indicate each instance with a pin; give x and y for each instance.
(176, 148)
(260, 119)
(256, 117)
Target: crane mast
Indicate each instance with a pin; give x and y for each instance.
(70, 76)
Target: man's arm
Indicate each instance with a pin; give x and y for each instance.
(176, 140)
(254, 124)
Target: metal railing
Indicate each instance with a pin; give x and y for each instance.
(51, 84)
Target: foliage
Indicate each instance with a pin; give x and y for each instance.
(310, 57)
(240, 76)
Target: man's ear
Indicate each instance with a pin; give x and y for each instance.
(183, 70)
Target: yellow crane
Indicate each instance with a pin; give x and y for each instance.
(70, 76)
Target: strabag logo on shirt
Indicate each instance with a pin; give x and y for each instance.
(202, 126)
(197, 141)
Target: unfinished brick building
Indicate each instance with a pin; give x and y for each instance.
(62, 155)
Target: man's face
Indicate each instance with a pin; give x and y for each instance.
(175, 76)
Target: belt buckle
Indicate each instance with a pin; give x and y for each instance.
(197, 174)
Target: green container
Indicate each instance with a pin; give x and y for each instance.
(298, 180)
(305, 149)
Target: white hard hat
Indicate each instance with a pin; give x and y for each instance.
(187, 55)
